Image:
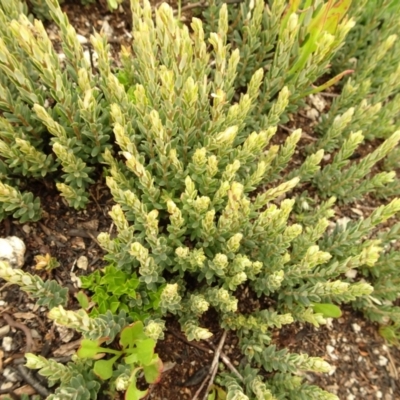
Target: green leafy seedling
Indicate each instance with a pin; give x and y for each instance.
(137, 351)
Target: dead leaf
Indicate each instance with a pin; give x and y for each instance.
(78, 243)
(67, 349)
(89, 225)
(1, 360)
(82, 263)
(65, 334)
(26, 389)
(24, 315)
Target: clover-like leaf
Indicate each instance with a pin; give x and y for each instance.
(104, 368)
(131, 334)
(145, 351)
(152, 371)
(89, 349)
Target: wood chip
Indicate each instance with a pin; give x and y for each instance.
(24, 315)
(26, 389)
(67, 349)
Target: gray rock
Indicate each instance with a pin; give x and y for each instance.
(12, 250)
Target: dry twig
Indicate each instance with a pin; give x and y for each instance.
(223, 356)
(28, 378)
(214, 365)
(227, 362)
(213, 369)
(23, 328)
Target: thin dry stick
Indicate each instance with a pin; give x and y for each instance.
(210, 373)
(28, 378)
(213, 369)
(227, 362)
(213, 373)
(214, 365)
(223, 356)
(23, 328)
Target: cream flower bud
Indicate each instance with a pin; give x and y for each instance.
(140, 252)
(275, 279)
(293, 22)
(227, 137)
(371, 254)
(221, 261)
(33, 361)
(199, 157)
(317, 364)
(361, 289)
(171, 206)
(238, 279)
(182, 252)
(201, 204)
(234, 242)
(202, 334)
(122, 382)
(212, 166)
(155, 330)
(198, 304)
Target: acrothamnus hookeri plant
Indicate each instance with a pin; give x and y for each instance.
(293, 48)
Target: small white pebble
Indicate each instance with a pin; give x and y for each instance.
(350, 397)
(346, 357)
(356, 327)
(327, 157)
(27, 229)
(351, 273)
(2, 303)
(329, 324)
(331, 351)
(333, 341)
(10, 375)
(333, 370)
(81, 39)
(7, 343)
(379, 394)
(61, 56)
(6, 385)
(384, 347)
(383, 361)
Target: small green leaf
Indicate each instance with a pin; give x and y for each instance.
(104, 368)
(145, 351)
(132, 358)
(83, 299)
(133, 393)
(152, 372)
(89, 349)
(328, 310)
(132, 333)
(211, 395)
